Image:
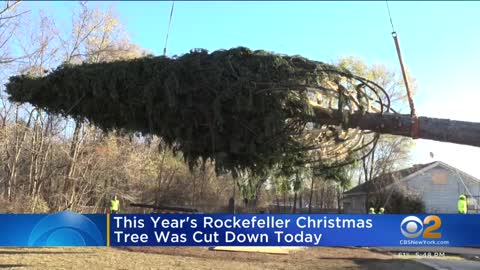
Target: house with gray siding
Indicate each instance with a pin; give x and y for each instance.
(437, 184)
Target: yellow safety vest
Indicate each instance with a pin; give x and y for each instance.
(462, 206)
(114, 205)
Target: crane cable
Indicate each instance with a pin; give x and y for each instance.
(168, 29)
(414, 120)
(413, 114)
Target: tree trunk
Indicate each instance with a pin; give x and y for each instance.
(368, 173)
(278, 203)
(19, 139)
(258, 192)
(195, 190)
(300, 200)
(311, 196)
(69, 184)
(158, 194)
(234, 194)
(443, 130)
(294, 208)
(339, 199)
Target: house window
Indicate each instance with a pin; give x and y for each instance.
(471, 204)
(440, 178)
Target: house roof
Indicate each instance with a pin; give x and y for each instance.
(387, 179)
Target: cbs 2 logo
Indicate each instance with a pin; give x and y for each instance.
(412, 227)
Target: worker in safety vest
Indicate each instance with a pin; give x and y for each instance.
(381, 211)
(462, 204)
(371, 210)
(114, 205)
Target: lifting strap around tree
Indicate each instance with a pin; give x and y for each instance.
(415, 124)
(168, 29)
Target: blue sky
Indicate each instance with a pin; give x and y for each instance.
(440, 44)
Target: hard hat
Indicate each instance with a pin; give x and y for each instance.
(382, 209)
(462, 197)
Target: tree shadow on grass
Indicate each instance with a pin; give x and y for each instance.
(12, 265)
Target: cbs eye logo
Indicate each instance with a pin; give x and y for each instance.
(413, 227)
(65, 229)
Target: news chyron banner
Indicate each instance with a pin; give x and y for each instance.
(72, 229)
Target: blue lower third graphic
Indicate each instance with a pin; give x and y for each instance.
(72, 229)
(48, 230)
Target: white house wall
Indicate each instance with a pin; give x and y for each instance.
(439, 187)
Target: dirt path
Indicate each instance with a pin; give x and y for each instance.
(196, 258)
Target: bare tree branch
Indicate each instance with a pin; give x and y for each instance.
(8, 7)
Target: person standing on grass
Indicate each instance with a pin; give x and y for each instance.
(114, 205)
(462, 204)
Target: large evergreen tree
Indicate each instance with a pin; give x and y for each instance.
(243, 109)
